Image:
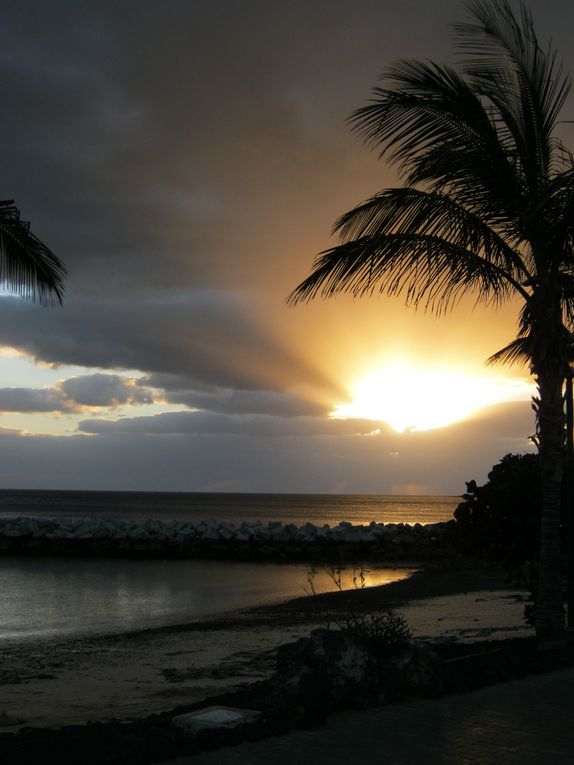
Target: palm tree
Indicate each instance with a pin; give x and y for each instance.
(27, 267)
(487, 208)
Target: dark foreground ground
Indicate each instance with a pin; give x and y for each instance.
(153, 739)
(522, 722)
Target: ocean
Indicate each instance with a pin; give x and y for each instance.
(59, 598)
(236, 508)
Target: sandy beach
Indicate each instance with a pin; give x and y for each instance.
(53, 683)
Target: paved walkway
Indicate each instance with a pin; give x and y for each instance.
(523, 722)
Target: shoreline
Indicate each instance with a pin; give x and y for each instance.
(53, 683)
(53, 599)
(263, 614)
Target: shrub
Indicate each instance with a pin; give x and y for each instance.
(384, 630)
(501, 519)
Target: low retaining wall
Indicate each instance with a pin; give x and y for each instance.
(215, 539)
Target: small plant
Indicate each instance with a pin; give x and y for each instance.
(335, 574)
(384, 629)
(359, 579)
(310, 588)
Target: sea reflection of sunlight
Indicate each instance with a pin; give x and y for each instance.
(408, 398)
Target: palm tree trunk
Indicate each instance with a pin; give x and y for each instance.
(549, 603)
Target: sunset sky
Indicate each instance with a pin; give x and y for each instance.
(187, 161)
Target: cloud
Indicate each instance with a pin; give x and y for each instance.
(513, 420)
(104, 390)
(187, 187)
(200, 338)
(229, 401)
(202, 452)
(76, 394)
(34, 400)
(209, 423)
(173, 156)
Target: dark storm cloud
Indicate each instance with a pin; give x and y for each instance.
(199, 148)
(199, 338)
(189, 143)
(203, 145)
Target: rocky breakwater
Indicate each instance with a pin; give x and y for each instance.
(220, 539)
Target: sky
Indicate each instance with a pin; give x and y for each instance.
(187, 163)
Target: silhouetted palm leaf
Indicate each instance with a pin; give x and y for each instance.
(27, 267)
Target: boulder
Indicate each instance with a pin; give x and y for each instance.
(334, 669)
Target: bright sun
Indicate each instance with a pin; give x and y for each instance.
(408, 398)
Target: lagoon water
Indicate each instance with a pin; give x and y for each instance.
(59, 597)
(56, 597)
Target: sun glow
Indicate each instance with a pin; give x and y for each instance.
(408, 398)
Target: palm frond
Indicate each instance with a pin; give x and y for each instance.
(527, 347)
(556, 215)
(526, 84)
(532, 341)
(519, 351)
(27, 267)
(413, 211)
(426, 270)
(435, 127)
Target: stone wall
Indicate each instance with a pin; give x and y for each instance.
(218, 539)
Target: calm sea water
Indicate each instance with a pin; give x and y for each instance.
(53, 597)
(289, 508)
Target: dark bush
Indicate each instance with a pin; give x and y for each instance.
(501, 519)
(383, 631)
